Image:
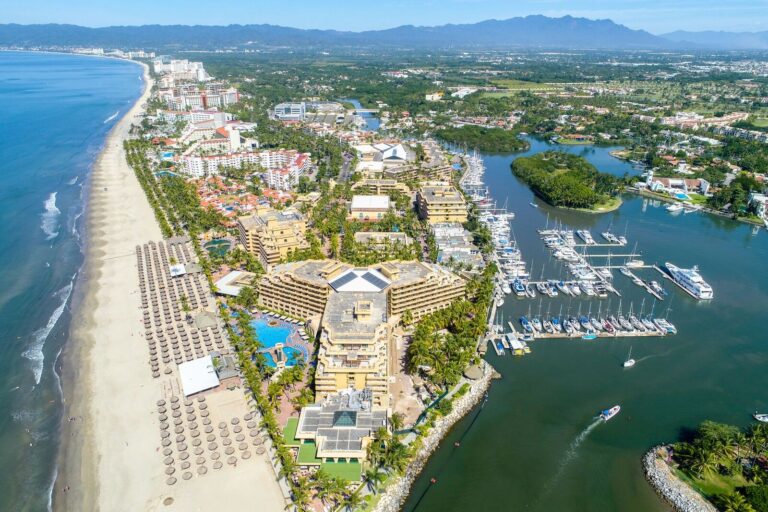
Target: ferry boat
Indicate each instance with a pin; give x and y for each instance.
(691, 281)
(610, 413)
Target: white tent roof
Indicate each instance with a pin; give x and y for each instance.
(198, 375)
(380, 202)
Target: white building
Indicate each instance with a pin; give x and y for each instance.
(282, 169)
(290, 111)
(760, 202)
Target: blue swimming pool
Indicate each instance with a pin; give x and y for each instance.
(268, 335)
(682, 196)
(289, 353)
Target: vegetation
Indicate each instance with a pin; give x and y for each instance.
(494, 140)
(566, 180)
(444, 343)
(727, 465)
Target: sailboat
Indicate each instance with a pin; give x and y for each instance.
(629, 363)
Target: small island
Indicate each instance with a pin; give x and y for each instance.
(492, 140)
(568, 181)
(720, 463)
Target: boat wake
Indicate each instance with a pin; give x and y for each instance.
(73, 180)
(111, 117)
(34, 352)
(50, 217)
(569, 455)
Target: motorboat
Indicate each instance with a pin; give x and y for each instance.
(629, 363)
(674, 207)
(665, 325)
(763, 418)
(635, 263)
(530, 291)
(589, 335)
(542, 288)
(575, 290)
(655, 286)
(537, 325)
(527, 326)
(518, 287)
(607, 414)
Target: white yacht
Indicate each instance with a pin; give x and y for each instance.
(691, 281)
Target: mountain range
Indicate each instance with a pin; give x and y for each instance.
(522, 32)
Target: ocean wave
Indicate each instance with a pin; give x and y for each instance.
(34, 352)
(111, 117)
(50, 217)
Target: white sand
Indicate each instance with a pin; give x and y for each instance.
(111, 458)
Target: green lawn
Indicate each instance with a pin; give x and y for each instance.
(349, 471)
(307, 452)
(573, 142)
(760, 122)
(289, 432)
(713, 484)
(698, 199)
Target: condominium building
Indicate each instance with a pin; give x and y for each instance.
(441, 202)
(282, 169)
(272, 234)
(360, 307)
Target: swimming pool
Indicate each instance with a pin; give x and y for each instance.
(291, 355)
(682, 196)
(268, 335)
(218, 247)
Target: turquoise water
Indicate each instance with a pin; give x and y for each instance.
(270, 336)
(56, 111)
(291, 355)
(535, 446)
(218, 247)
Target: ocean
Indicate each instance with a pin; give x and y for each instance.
(536, 446)
(56, 112)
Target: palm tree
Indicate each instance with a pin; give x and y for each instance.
(735, 502)
(353, 501)
(301, 494)
(397, 420)
(373, 478)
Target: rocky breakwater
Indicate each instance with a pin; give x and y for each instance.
(392, 499)
(676, 492)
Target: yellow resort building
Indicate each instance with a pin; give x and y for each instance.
(357, 309)
(272, 234)
(441, 202)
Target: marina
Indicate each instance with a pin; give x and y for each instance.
(555, 391)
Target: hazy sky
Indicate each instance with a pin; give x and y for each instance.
(656, 16)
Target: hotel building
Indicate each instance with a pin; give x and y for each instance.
(358, 309)
(440, 202)
(272, 234)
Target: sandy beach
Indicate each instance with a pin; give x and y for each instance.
(110, 458)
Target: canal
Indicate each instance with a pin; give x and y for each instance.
(536, 446)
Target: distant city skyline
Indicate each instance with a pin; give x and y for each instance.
(655, 16)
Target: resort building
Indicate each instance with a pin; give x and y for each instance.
(282, 169)
(341, 427)
(272, 234)
(368, 208)
(441, 202)
(360, 306)
(381, 186)
(380, 239)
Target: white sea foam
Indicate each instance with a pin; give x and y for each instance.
(73, 180)
(111, 117)
(34, 352)
(50, 223)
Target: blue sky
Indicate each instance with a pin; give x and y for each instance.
(656, 16)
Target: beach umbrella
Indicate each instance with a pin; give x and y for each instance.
(176, 414)
(239, 437)
(226, 441)
(246, 455)
(181, 447)
(185, 465)
(164, 426)
(170, 481)
(204, 414)
(164, 434)
(202, 470)
(217, 465)
(198, 451)
(166, 442)
(231, 460)
(215, 455)
(177, 421)
(196, 442)
(179, 429)
(242, 446)
(251, 424)
(253, 433)
(161, 409)
(206, 421)
(237, 429)
(168, 461)
(187, 475)
(163, 417)
(183, 455)
(211, 438)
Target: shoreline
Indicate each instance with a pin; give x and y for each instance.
(678, 494)
(395, 495)
(77, 466)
